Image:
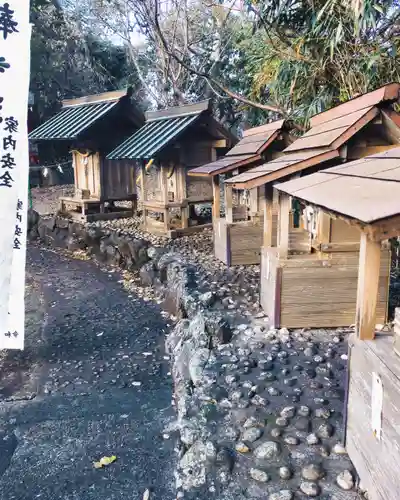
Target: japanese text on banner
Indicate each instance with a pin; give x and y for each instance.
(15, 32)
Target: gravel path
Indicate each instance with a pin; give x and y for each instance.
(91, 382)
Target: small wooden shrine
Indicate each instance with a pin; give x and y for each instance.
(369, 206)
(173, 141)
(351, 130)
(237, 236)
(92, 126)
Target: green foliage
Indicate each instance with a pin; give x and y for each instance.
(312, 55)
(299, 56)
(67, 62)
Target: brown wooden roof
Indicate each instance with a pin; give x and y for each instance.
(336, 132)
(286, 164)
(367, 190)
(330, 130)
(223, 165)
(248, 150)
(389, 92)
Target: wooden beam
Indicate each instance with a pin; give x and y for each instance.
(166, 219)
(180, 183)
(284, 221)
(267, 209)
(383, 230)
(216, 197)
(176, 233)
(163, 179)
(105, 96)
(143, 191)
(378, 231)
(293, 168)
(338, 247)
(228, 203)
(367, 288)
(219, 143)
(253, 201)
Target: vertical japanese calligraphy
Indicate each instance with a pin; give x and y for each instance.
(15, 32)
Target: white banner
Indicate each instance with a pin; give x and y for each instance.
(15, 34)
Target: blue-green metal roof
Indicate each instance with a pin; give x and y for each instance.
(151, 138)
(71, 121)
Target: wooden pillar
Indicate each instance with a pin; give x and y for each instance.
(164, 184)
(164, 195)
(181, 182)
(166, 219)
(134, 205)
(228, 203)
(132, 170)
(323, 227)
(367, 288)
(216, 197)
(284, 225)
(143, 191)
(185, 216)
(267, 209)
(253, 202)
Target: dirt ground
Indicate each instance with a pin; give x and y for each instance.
(91, 382)
(45, 199)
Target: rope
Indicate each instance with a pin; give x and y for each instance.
(171, 172)
(85, 155)
(55, 165)
(146, 168)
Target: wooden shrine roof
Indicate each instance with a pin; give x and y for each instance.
(336, 132)
(367, 189)
(388, 92)
(77, 115)
(287, 164)
(164, 127)
(330, 130)
(248, 150)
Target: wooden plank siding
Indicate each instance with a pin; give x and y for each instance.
(199, 187)
(245, 241)
(240, 243)
(119, 179)
(341, 232)
(322, 292)
(87, 173)
(376, 460)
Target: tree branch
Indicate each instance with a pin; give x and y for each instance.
(208, 78)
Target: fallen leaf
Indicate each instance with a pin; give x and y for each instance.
(104, 461)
